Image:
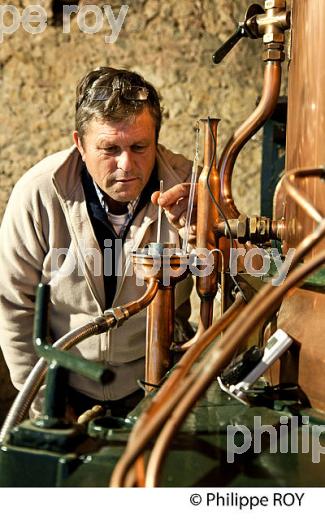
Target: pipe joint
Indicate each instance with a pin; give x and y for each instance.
(274, 54)
(120, 314)
(255, 229)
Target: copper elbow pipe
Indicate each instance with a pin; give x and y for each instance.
(33, 383)
(265, 108)
(198, 382)
(289, 183)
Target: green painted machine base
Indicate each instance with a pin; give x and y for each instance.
(200, 453)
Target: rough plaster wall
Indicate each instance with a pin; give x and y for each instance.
(170, 43)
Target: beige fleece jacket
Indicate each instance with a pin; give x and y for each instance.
(47, 211)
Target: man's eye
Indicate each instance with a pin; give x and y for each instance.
(111, 149)
(138, 147)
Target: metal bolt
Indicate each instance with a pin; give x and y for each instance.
(263, 225)
(273, 55)
(252, 227)
(241, 228)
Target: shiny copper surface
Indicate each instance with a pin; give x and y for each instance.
(171, 265)
(302, 311)
(271, 89)
(207, 210)
(162, 271)
(160, 333)
(190, 389)
(207, 216)
(300, 201)
(137, 306)
(306, 116)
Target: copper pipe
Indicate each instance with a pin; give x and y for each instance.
(207, 212)
(307, 244)
(169, 270)
(182, 368)
(140, 304)
(160, 334)
(265, 108)
(226, 348)
(207, 215)
(201, 328)
(169, 393)
(289, 184)
(189, 344)
(140, 472)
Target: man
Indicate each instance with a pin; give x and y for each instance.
(72, 208)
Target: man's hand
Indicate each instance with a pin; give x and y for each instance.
(175, 201)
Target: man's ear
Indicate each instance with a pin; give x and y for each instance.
(77, 142)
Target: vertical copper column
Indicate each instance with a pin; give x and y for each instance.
(172, 268)
(306, 114)
(207, 219)
(160, 332)
(302, 311)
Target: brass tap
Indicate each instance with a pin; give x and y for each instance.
(269, 23)
(272, 26)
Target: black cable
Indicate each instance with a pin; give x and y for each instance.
(143, 384)
(220, 210)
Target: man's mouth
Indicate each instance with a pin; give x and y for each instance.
(125, 181)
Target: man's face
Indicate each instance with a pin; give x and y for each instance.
(120, 156)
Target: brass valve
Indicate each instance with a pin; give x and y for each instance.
(269, 23)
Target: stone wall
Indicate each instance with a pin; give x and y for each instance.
(170, 43)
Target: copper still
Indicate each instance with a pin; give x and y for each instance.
(301, 313)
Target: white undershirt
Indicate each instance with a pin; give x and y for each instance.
(117, 221)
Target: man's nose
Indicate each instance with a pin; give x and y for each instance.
(125, 161)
